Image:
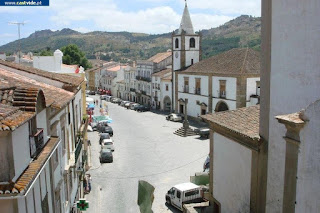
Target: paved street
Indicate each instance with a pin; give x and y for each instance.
(145, 149)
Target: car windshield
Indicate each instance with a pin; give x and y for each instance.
(105, 136)
(108, 143)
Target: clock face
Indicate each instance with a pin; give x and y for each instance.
(177, 54)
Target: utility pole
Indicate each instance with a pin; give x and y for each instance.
(19, 42)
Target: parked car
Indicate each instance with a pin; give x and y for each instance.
(92, 92)
(174, 117)
(133, 106)
(94, 126)
(104, 136)
(109, 98)
(123, 103)
(206, 164)
(184, 193)
(204, 132)
(142, 108)
(115, 100)
(106, 144)
(106, 156)
(107, 129)
(104, 97)
(128, 104)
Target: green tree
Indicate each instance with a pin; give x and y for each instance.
(73, 55)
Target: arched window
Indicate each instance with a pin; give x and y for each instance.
(192, 42)
(177, 43)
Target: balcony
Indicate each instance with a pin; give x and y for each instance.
(132, 90)
(143, 92)
(36, 143)
(186, 89)
(155, 98)
(197, 91)
(140, 78)
(78, 151)
(223, 94)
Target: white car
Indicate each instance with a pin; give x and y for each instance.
(107, 144)
(174, 117)
(133, 105)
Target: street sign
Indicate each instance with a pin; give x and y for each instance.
(82, 204)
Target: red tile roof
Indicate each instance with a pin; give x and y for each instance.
(243, 121)
(63, 78)
(54, 96)
(28, 176)
(160, 57)
(239, 61)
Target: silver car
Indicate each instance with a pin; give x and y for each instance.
(107, 144)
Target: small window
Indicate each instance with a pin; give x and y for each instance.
(191, 193)
(192, 43)
(167, 87)
(203, 111)
(177, 43)
(191, 61)
(178, 194)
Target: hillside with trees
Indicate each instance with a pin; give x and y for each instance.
(243, 31)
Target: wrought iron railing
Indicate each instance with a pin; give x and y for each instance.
(141, 78)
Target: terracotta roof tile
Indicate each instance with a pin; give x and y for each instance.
(54, 96)
(160, 57)
(237, 61)
(64, 78)
(28, 176)
(162, 73)
(243, 121)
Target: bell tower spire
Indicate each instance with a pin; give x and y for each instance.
(186, 23)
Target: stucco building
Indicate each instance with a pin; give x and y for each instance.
(144, 71)
(275, 158)
(226, 81)
(49, 167)
(162, 90)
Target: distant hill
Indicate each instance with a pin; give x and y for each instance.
(123, 46)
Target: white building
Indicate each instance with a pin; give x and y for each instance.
(271, 164)
(3, 56)
(144, 71)
(54, 64)
(61, 119)
(226, 81)
(162, 90)
(186, 51)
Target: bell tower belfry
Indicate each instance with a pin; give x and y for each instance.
(186, 50)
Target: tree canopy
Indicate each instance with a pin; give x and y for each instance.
(73, 55)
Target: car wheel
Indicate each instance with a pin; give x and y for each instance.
(168, 201)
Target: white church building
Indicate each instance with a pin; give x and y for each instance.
(226, 81)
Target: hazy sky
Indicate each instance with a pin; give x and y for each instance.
(147, 16)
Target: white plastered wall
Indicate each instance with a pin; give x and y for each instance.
(232, 175)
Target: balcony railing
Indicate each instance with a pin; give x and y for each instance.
(78, 150)
(197, 91)
(222, 94)
(186, 89)
(143, 92)
(155, 98)
(141, 78)
(36, 143)
(132, 90)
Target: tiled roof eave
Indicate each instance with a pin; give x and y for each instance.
(27, 178)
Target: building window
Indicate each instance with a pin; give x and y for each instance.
(191, 61)
(198, 86)
(167, 87)
(222, 88)
(258, 88)
(152, 85)
(177, 43)
(192, 43)
(203, 111)
(186, 85)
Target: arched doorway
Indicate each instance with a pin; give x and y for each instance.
(221, 106)
(167, 103)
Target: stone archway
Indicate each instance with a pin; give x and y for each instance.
(167, 103)
(221, 106)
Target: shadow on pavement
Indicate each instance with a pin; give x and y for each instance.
(172, 209)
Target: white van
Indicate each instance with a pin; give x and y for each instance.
(184, 193)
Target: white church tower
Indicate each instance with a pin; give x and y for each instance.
(186, 50)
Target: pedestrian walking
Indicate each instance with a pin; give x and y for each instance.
(89, 182)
